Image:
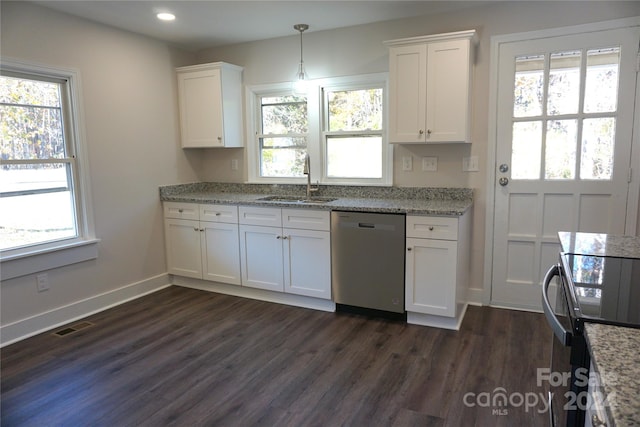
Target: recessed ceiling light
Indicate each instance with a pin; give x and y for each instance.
(165, 16)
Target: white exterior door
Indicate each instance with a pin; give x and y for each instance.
(564, 122)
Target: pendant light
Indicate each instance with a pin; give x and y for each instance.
(300, 82)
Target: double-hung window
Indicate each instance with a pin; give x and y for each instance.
(352, 133)
(41, 208)
(282, 135)
(339, 123)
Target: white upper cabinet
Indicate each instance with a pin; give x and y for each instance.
(210, 104)
(430, 82)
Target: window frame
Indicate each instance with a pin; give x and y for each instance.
(52, 254)
(316, 138)
(361, 84)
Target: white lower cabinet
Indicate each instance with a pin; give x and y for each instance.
(431, 276)
(206, 250)
(437, 265)
(286, 250)
(182, 239)
(261, 252)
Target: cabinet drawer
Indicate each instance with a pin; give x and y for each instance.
(219, 213)
(306, 219)
(181, 210)
(270, 217)
(432, 227)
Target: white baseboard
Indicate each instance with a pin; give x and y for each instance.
(452, 323)
(257, 294)
(52, 319)
(475, 296)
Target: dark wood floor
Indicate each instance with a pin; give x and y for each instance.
(187, 357)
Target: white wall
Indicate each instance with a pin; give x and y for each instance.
(130, 107)
(359, 50)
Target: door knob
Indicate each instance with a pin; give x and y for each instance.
(503, 181)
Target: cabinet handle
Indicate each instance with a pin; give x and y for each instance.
(180, 210)
(285, 237)
(218, 214)
(409, 249)
(421, 132)
(196, 229)
(431, 228)
(428, 131)
(278, 237)
(219, 139)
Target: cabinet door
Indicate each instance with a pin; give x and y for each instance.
(307, 263)
(220, 249)
(407, 90)
(431, 276)
(200, 100)
(182, 239)
(261, 257)
(448, 72)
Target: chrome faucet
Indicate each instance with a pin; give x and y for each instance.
(307, 171)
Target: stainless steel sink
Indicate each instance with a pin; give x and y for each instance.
(297, 199)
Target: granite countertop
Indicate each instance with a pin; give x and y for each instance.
(600, 244)
(616, 359)
(410, 200)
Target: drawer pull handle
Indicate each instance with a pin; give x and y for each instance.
(180, 210)
(431, 228)
(278, 237)
(218, 214)
(409, 249)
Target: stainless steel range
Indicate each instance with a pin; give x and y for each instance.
(592, 288)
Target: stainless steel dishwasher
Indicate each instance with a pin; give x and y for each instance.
(367, 261)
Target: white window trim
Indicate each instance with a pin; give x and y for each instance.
(31, 259)
(315, 144)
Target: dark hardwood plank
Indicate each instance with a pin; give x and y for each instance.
(187, 357)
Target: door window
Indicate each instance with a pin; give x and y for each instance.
(564, 114)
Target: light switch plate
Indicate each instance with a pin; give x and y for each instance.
(430, 164)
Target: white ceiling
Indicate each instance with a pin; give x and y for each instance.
(209, 23)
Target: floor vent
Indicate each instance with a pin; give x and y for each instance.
(73, 328)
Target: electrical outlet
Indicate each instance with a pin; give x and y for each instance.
(234, 164)
(470, 164)
(407, 163)
(430, 164)
(42, 280)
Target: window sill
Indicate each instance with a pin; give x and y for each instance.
(46, 259)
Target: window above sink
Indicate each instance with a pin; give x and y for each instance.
(340, 123)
